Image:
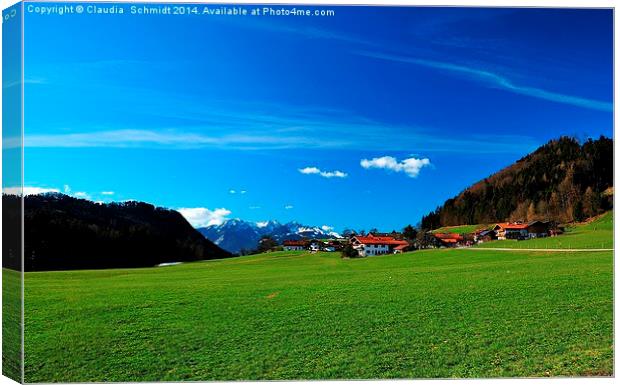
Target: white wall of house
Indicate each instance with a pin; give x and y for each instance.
(370, 250)
(521, 233)
(293, 248)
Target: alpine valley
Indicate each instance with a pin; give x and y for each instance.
(236, 235)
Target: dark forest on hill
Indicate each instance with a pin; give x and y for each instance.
(563, 181)
(64, 233)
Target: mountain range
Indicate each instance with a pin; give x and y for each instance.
(236, 235)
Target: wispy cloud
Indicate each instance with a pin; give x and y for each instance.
(202, 217)
(107, 193)
(19, 82)
(492, 79)
(324, 174)
(288, 207)
(311, 136)
(410, 166)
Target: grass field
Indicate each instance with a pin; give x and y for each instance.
(294, 315)
(598, 234)
(11, 324)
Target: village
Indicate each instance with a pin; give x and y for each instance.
(376, 243)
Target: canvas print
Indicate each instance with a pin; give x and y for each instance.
(206, 192)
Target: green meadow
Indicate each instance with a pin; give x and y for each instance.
(463, 229)
(296, 315)
(597, 234)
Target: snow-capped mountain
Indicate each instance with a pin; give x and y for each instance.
(236, 234)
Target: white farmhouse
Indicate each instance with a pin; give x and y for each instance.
(371, 245)
(294, 245)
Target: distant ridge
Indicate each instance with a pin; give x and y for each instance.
(236, 235)
(563, 180)
(65, 233)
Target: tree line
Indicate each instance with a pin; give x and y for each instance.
(64, 233)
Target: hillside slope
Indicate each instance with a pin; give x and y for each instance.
(563, 181)
(64, 233)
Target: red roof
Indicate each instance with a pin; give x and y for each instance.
(449, 236)
(512, 226)
(449, 240)
(295, 243)
(401, 247)
(372, 240)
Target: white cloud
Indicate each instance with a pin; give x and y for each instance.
(243, 191)
(254, 207)
(410, 166)
(288, 207)
(202, 217)
(326, 228)
(29, 190)
(324, 174)
(260, 225)
(231, 191)
(107, 193)
(66, 189)
(82, 195)
(309, 170)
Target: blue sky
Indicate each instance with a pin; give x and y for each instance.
(369, 118)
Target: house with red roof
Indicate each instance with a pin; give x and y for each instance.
(511, 230)
(373, 245)
(519, 230)
(449, 239)
(292, 245)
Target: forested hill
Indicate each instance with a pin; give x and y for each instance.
(563, 181)
(63, 233)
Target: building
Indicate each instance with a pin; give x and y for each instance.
(538, 229)
(518, 230)
(372, 245)
(485, 235)
(402, 248)
(511, 230)
(295, 245)
(449, 239)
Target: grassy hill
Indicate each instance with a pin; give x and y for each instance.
(295, 315)
(463, 229)
(598, 233)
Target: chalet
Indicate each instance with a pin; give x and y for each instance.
(484, 235)
(511, 230)
(449, 239)
(518, 230)
(295, 245)
(373, 245)
(538, 229)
